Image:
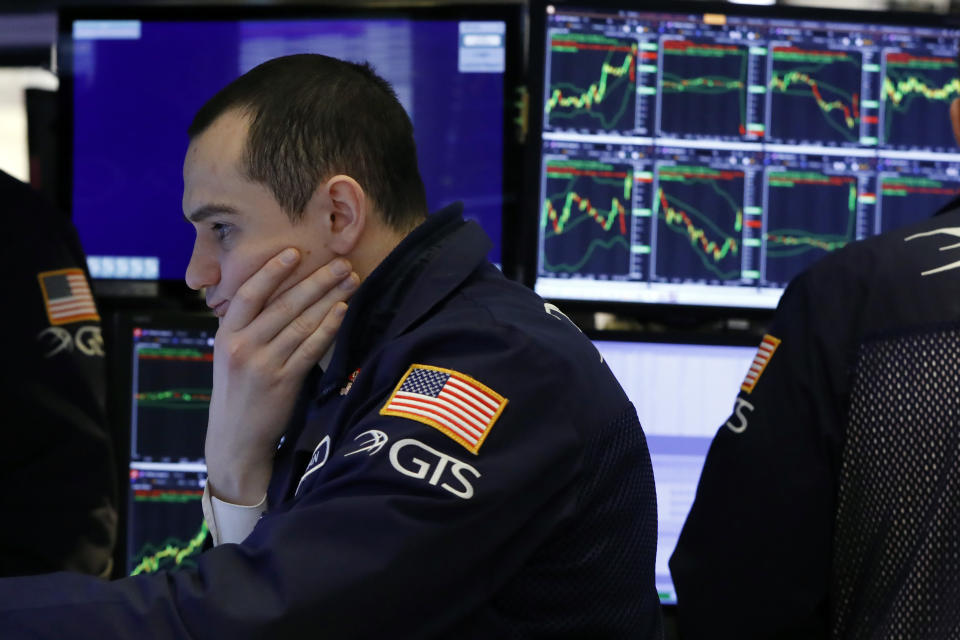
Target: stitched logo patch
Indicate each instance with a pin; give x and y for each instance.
(67, 297)
(765, 351)
(448, 400)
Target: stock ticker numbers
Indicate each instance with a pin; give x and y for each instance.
(709, 159)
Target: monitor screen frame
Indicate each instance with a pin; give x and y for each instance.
(675, 315)
(513, 14)
(119, 346)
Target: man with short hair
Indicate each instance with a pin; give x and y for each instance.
(829, 503)
(461, 464)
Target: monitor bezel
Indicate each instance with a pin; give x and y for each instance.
(512, 13)
(681, 316)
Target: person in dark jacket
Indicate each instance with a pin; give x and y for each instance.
(57, 478)
(829, 503)
(446, 456)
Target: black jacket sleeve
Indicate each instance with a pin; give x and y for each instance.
(753, 558)
(57, 478)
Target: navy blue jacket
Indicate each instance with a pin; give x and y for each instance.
(538, 519)
(829, 503)
(57, 479)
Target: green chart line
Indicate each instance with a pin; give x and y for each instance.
(712, 84)
(185, 398)
(594, 245)
(802, 81)
(793, 242)
(905, 82)
(613, 76)
(557, 223)
(171, 550)
(684, 219)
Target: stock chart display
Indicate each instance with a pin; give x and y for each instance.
(171, 383)
(703, 77)
(910, 190)
(171, 401)
(585, 217)
(166, 528)
(795, 237)
(917, 91)
(815, 95)
(768, 143)
(699, 222)
(593, 83)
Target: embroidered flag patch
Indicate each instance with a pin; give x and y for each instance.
(67, 296)
(452, 402)
(765, 351)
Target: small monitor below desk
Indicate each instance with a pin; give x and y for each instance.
(683, 393)
(164, 367)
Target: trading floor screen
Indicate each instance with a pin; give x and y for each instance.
(171, 384)
(706, 159)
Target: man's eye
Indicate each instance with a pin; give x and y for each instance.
(221, 229)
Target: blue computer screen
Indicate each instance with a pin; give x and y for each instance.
(136, 85)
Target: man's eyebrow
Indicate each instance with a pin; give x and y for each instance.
(208, 210)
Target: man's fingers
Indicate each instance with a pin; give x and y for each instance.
(303, 326)
(250, 297)
(312, 348)
(301, 308)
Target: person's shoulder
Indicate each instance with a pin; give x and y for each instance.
(521, 340)
(25, 208)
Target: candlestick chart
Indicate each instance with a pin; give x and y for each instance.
(917, 91)
(815, 95)
(908, 199)
(699, 213)
(171, 402)
(703, 88)
(593, 82)
(584, 222)
(810, 214)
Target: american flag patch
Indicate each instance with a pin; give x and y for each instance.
(67, 296)
(765, 351)
(450, 401)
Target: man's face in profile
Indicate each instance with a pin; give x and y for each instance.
(239, 223)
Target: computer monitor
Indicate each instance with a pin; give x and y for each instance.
(662, 377)
(134, 77)
(163, 370)
(703, 155)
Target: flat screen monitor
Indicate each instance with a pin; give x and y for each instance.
(164, 371)
(704, 154)
(134, 78)
(662, 379)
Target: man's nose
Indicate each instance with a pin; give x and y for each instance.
(203, 270)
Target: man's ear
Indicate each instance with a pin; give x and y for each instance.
(955, 118)
(346, 216)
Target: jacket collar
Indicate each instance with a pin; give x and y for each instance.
(427, 265)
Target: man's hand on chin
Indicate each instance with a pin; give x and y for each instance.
(263, 351)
